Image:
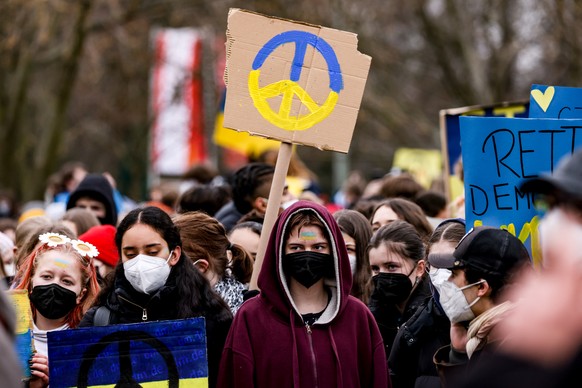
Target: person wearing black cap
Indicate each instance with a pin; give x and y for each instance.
(483, 266)
(545, 329)
(95, 194)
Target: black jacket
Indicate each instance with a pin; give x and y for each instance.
(411, 358)
(228, 216)
(504, 371)
(159, 307)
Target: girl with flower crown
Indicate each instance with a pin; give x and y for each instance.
(62, 285)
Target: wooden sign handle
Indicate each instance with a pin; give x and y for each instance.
(273, 206)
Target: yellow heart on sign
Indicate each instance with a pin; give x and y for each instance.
(543, 99)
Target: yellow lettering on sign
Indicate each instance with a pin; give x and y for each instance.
(529, 229)
(509, 111)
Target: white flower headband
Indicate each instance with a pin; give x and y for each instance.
(85, 249)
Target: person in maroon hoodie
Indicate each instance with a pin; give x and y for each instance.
(304, 329)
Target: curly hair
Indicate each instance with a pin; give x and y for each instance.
(246, 183)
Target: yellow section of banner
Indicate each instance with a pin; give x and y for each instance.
(241, 141)
(201, 382)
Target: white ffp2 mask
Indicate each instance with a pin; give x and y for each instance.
(438, 276)
(454, 302)
(147, 273)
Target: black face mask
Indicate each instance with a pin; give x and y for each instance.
(308, 267)
(53, 301)
(391, 288)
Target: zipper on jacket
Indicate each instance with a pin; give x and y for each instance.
(313, 360)
(144, 315)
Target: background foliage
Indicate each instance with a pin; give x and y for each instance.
(74, 74)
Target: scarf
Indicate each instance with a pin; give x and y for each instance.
(480, 327)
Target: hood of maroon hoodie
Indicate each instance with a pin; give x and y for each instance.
(272, 281)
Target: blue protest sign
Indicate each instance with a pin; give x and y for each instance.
(498, 155)
(172, 353)
(451, 131)
(555, 102)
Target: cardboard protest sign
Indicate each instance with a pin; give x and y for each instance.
(451, 134)
(172, 353)
(498, 155)
(555, 102)
(242, 142)
(23, 341)
(293, 82)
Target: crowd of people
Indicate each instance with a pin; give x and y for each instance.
(385, 288)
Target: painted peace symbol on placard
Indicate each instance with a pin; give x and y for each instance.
(125, 370)
(290, 88)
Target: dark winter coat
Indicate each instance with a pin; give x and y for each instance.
(389, 318)
(411, 358)
(506, 371)
(228, 216)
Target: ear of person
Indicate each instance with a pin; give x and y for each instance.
(202, 265)
(261, 204)
(175, 256)
(483, 289)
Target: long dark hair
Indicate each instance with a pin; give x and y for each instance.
(196, 297)
(355, 225)
(401, 238)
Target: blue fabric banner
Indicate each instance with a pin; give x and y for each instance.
(172, 353)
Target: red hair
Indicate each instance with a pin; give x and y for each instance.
(88, 279)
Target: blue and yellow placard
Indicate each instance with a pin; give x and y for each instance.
(498, 155)
(153, 354)
(242, 142)
(555, 102)
(290, 88)
(23, 336)
(293, 82)
(451, 134)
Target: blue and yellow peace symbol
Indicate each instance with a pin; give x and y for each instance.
(290, 88)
